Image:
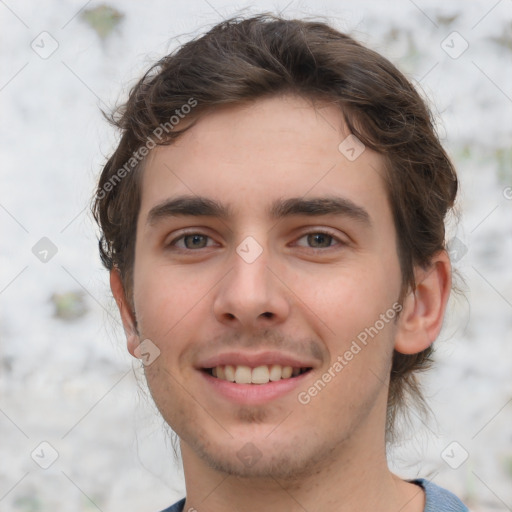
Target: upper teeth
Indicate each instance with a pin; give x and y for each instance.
(242, 374)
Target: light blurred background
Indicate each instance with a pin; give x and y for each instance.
(65, 377)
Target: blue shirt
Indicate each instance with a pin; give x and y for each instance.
(437, 499)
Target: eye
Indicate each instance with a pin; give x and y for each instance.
(190, 241)
(313, 240)
(320, 240)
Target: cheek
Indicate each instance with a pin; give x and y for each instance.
(348, 300)
(359, 336)
(167, 307)
(355, 307)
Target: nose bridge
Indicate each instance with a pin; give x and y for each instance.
(250, 273)
(250, 291)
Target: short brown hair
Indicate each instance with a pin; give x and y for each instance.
(245, 59)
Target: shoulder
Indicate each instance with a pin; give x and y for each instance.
(438, 499)
(177, 507)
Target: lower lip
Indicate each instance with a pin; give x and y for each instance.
(254, 394)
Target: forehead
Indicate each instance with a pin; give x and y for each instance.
(247, 156)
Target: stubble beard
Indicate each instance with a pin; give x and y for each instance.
(290, 461)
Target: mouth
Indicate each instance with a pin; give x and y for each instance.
(259, 375)
(254, 378)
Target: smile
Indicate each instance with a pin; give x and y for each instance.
(263, 374)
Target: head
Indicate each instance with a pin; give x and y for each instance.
(251, 121)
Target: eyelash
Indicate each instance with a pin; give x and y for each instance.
(172, 244)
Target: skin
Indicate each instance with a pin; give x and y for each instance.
(307, 296)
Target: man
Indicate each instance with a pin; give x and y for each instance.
(273, 224)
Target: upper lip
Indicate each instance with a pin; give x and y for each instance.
(255, 359)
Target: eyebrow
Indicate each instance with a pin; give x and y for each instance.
(198, 206)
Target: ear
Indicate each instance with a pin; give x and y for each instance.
(127, 316)
(421, 319)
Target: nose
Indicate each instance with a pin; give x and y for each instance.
(252, 295)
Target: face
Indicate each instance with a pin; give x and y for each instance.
(265, 256)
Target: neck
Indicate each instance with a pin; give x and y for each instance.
(355, 478)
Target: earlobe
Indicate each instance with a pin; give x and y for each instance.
(127, 317)
(421, 319)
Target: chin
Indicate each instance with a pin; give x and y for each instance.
(260, 458)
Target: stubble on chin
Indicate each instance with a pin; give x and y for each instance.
(286, 464)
